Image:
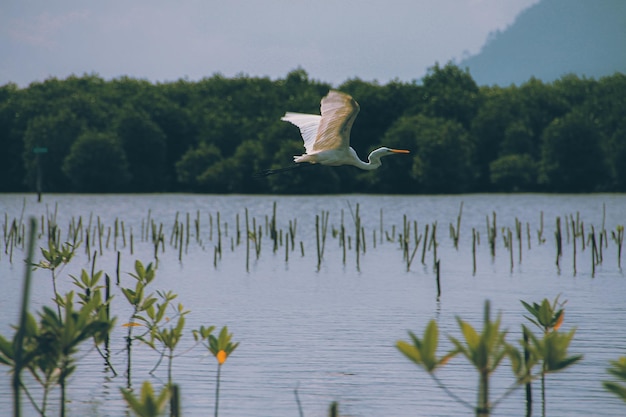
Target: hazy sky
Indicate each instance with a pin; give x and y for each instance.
(164, 40)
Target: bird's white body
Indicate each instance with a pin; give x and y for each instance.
(327, 137)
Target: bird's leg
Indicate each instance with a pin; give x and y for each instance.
(267, 172)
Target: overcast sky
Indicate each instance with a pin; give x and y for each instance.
(165, 40)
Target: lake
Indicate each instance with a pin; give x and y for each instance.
(328, 331)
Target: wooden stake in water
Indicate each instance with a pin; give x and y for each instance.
(492, 234)
(474, 250)
(518, 235)
(559, 245)
(107, 310)
(247, 242)
(273, 231)
(455, 232)
(574, 242)
(219, 235)
(540, 238)
(180, 243)
(424, 246)
(594, 252)
(437, 269)
(100, 229)
(510, 245)
(317, 241)
(117, 268)
(433, 241)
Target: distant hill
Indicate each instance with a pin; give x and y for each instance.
(554, 38)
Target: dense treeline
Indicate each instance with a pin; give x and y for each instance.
(130, 135)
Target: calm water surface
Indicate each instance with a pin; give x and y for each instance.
(330, 333)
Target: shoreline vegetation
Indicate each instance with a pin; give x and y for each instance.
(85, 134)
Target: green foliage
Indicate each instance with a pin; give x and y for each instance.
(514, 172)
(49, 347)
(552, 350)
(572, 154)
(221, 343)
(56, 132)
(483, 350)
(441, 153)
(194, 163)
(618, 370)
(451, 93)
(423, 351)
(97, 163)
(486, 349)
(148, 404)
(144, 146)
(547, 316)
(160, 337)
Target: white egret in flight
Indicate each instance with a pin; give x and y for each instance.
(327, 137)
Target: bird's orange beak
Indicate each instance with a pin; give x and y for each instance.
(399, 151)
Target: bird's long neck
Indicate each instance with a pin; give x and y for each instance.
(373, 161)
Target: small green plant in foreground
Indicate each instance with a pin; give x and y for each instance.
(140, 302)
(485, 351)
(551, 349)
(55, 258)
(161, 338)
(148, 404)
(48, 347)
(618, 370)
(221, 347)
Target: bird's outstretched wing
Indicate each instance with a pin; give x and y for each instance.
(338, 113)
(308, 124)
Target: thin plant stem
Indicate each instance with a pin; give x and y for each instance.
(450, 393)
(217, 390)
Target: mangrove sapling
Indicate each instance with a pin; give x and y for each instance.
(55, 259)
(139, 302)
(22, 353)
(485, 351)
(148, 404)
(161, 338)
(618, 370)
(59, 336)
(552, 349)
(90, 285)
(221, 347)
